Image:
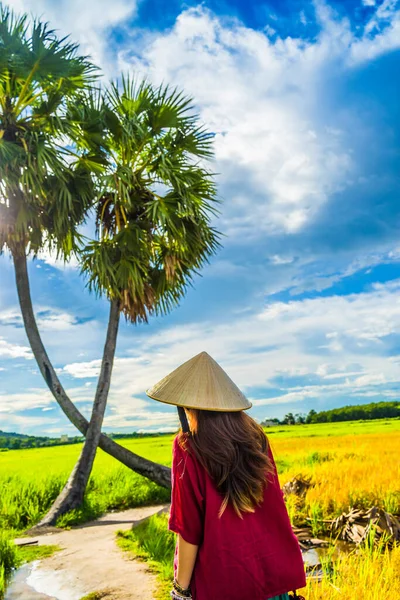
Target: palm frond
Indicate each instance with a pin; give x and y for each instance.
(45, 193)
(135, 152)
(155, 202)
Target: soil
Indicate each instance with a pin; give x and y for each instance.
(90, 561)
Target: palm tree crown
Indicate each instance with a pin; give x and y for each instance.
(155, 201)
(44, 191)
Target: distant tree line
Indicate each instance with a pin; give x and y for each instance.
(367, 412)
(135, 434)
(18, 441)
(360, 412)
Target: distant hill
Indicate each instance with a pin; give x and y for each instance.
(12, 435)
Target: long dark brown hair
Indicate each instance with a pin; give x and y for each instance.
(233, 449)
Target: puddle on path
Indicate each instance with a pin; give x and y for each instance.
(20, 590)
(31, 582)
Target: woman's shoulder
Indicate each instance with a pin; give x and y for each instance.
(181, 443)
(183, 449)
(177, 439)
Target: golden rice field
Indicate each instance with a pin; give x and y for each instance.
(363, 575)
(351, 469)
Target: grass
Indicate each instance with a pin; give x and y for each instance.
(97, 596)
(8, 559)
(27, 554)
(31, 479)
(26, 498)
(151, 541)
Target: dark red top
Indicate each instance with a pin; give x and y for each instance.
(253, 558)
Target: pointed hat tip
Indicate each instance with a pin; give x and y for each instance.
(200, 383)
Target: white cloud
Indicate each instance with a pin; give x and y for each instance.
(280, 163)
(267, 350)
(322, 278)
(259, 97)
(278, 259)
(10, 350)
(50, 258)
(303, 18)
(382, 34)
(54, 320)
(138, 419)
(159, 430)
(48, 319)
(28, 400)
(82, 370)
(370, 385)
(59, 431)
(225, 269)
(24, 423)
(338, 339)
(262, 98)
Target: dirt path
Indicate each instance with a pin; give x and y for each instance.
(91, 561)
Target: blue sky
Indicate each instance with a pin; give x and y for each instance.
(301, 306)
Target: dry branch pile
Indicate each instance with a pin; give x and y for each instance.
(357, 525)
(306, 540)
(297, 486)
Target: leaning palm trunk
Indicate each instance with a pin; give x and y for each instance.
(153, 471)
(74, 490)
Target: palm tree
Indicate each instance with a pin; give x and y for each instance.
(153, 224)
(138, 158)
(43, 195)
(38, 188)
(155, 202)
(45, 187)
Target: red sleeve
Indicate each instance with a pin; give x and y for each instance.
(187, 501)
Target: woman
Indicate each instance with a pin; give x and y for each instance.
(235, 541)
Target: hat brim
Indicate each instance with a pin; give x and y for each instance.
(200, 383)
(153, 397)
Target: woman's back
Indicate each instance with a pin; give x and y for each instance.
(235, 541)
(252, 557)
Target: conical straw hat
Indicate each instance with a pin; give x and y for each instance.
(200, 383)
